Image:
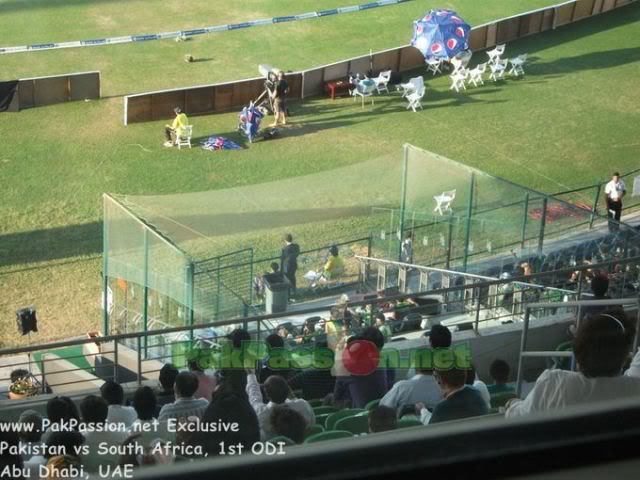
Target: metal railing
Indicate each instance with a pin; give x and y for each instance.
(456, 301)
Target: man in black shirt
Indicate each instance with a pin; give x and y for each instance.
(279, 95)
(289, 261)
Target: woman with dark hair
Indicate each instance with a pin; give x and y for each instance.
(228, 408)
(601, 348)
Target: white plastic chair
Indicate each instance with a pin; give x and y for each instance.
(516, 65)
(433, 65)
(444, 201)
(498, 69)
(364, 88)
(456, 63)
(382, 81)
(458, 78)
(413, 85)
(183, 136)
(496, 53)
(415, 99)
(475, 74)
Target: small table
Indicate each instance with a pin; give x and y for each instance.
(337, 87)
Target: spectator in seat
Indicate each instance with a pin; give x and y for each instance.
(381, 324)
(499, 371)
(382, 419)
(8, 459)
(176, 128)
(422, 387)
(601, 348)
(479, 385)
(231, 381)
(185, 405)
(317, 381)
(206, 383)
(288, 422)
(277, 392)
(227, 407)
(60, 410)
(263, 369)
(460, 400)
(356, 391)
(599, 287)
(334, 267)
(31, 433)
(145, 404)
(167, 379)
(113, 394)
(94, 411)
(59, 465)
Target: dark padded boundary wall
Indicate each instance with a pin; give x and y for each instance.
(40, 91)
(198, 100)
(227, 96)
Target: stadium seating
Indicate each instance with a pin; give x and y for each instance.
(329, 435)
(356, 424)
(347, 412)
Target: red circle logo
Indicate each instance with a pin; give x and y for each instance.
(451, 43)
(361, 357)
(436, 48)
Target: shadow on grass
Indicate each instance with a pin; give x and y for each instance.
(17, 5)
(588, 61)
(50, 244)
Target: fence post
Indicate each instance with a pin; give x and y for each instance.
(525, 215)
(403, 199)
(594, 206)
(189, 294)
(467, 235)
(523, 346)
(139, 359)
(105, 265)
(543, 221)
(145, 290)
(218, 291)
(115, 361)
(449, 242)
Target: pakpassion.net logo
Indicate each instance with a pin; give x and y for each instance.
(359, 357)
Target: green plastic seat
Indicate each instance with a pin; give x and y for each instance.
(313, 429)
(329, 435)
(322, 419)
(372, 404)
(356, 424)
(282, 438)
(334, 417)
(315, 402)
(499, 399)
(324, 409)
(409, 422)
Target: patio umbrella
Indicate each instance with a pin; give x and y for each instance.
(441, 34)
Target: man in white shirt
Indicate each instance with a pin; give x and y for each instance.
(421, 388)
(278, 393)
(601, 349)
(94, 411)
(113, 394)
(614, 191)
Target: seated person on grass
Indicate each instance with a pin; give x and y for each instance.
(175, 128)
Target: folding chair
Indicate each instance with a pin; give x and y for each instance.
(415, 99)
(433, 65)
(475, 74)
(443, 201)
(498, 69)
(413, 85)
(516, 65)
(364, 88)
(496, 53)
(458, 78)
(183, 136)
(382, 81)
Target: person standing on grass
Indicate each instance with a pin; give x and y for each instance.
(289, 261)
(175, 128)
(279, 95)
(614, 191)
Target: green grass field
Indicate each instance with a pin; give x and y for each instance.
(572, 119)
